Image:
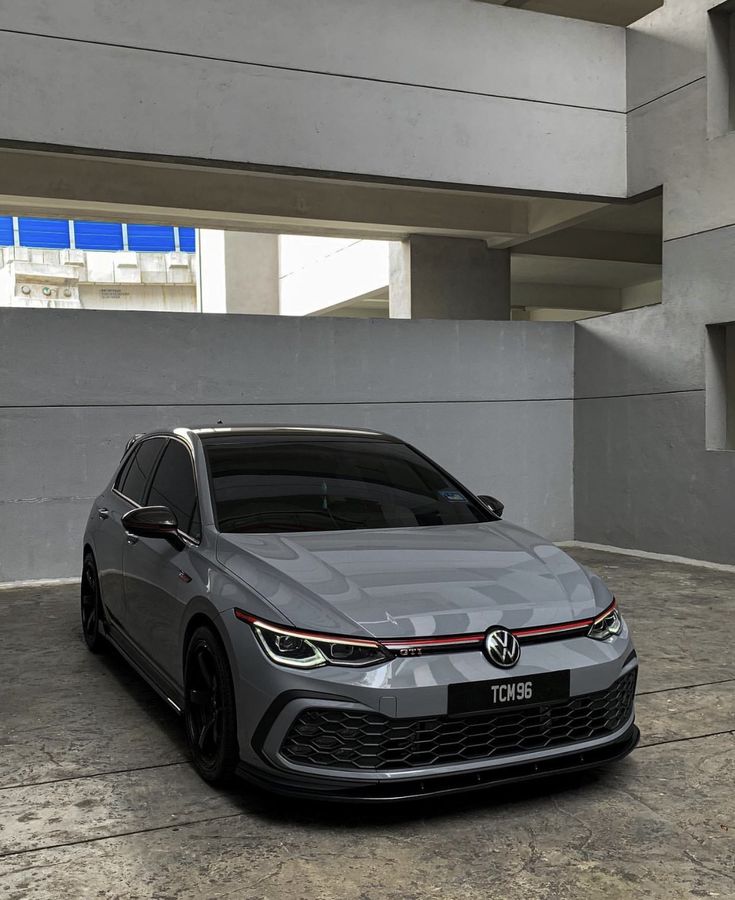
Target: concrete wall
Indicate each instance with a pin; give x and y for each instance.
(644, 477)
(476, 396)
(450, 91)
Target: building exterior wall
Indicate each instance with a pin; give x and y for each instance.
(450, 91)
(644, 477)
(408, 41)
(81, 279)
(474, 395)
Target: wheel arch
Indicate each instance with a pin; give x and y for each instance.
(201, 611)
(196, 621)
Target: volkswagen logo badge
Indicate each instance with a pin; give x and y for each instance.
(502, 648)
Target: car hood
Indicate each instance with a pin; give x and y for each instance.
(403, 582)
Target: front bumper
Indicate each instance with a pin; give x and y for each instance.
(406, 697)
(367, 791)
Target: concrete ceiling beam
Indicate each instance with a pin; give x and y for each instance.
(546, 216)
(565, 296)
(587, 243)
(34, 183)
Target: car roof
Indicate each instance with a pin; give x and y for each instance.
(219, 430)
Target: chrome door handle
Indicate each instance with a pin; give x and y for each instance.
(103, 512)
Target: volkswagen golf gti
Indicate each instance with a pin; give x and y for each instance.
(335, 615)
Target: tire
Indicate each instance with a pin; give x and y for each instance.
(91, 605)
(209, 708)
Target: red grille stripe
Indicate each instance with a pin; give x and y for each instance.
(447, 641)
(434, 642)
(460, 640)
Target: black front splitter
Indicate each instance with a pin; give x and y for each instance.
(397, 790)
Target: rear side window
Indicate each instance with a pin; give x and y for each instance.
(173, 486)
(122, 474)
(137, 470)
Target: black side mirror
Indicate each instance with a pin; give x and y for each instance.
(495, 506)
(153, 522)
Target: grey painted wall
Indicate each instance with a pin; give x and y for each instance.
(644, 477)
(457, 44)
(442, 90)
(492, 401)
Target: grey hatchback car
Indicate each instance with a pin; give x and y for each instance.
(336, 616)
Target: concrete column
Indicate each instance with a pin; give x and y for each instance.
(448, 278)
(238, 272)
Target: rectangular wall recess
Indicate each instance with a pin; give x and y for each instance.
(721, 70)
(720, 384)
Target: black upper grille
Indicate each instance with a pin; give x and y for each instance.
(355, 740)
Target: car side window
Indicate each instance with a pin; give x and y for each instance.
(122, 474)
(137, 471)
(174, 486)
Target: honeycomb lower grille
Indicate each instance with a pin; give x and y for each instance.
(343, 739)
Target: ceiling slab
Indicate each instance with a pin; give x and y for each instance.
(592, 272)
(589, 243)
(645, 217)
(609, 12)
(76, 186)
(565, 296)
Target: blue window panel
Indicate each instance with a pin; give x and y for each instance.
(6, 231)
(52, 234)
(187, 240)
(98, 235)
(151, 238)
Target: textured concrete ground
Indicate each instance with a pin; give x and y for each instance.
(97, 799)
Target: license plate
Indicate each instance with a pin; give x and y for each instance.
(505, 693)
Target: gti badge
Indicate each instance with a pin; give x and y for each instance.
(502, 648)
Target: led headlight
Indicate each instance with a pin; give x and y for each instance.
(306, 650)
(607, 625)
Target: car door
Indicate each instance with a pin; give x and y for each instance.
(155, 571)
(110, 537)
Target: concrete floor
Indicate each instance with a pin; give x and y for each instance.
(97, 799)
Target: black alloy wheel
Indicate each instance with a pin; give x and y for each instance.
(91, 605)
(209, 708)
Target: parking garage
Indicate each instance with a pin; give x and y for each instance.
(501, 231)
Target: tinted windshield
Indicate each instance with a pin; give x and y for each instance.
(264, 484)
